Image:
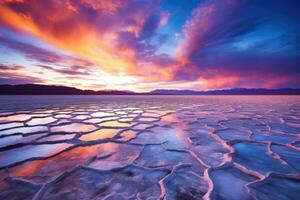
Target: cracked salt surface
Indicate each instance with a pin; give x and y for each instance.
(150, 147)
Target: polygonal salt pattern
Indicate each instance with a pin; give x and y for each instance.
(150, 147)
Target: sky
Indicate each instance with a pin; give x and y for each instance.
(142, 45)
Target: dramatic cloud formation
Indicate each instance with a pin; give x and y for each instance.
(237, 43)
(143, 45)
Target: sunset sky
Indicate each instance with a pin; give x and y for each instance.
(142, 45)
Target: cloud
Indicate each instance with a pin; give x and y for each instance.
(10, 75)
(230, 44)
(71, 70)
(18, 80)
(13, 67)
(32, 52)
(112, 34)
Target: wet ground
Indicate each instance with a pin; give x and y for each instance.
(150, 147)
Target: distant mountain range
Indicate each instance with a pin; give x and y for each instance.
(35, 89)
(234, 91)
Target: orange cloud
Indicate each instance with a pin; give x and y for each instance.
(90, 29)
(221, 82)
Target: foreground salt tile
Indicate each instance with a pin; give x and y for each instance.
(19, 139)
(74, 127)
(127, 183)
(109, 155)
(273, 137)
(12, 118)
(17, 189)
(99, 120)
(20, 117)
(17, 155)
(277, 186)
(230, 183)
(99, 134)
(10, 125)
(64, 116)
(233, 134)
(24, 130)
(115, 124)
(128, 135)
(81, 117)
(142, 126)
(246, 153)
(289, 155)
(40, 121)
(42, 171)
(101, 114)
(149, 158)
(185, 184)
(57, 137)
(148, 119)
(122, 155)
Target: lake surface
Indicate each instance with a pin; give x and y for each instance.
(150, 147)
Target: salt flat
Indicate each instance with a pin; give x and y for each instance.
(150, 147)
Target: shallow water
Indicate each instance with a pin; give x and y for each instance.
(150, 147)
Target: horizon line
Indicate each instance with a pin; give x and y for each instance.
(15, 89)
